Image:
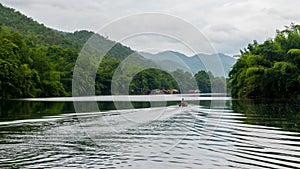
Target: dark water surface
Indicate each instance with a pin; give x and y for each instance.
(237, 134)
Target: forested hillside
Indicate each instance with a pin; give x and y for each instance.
(36, 61)
(270, 69)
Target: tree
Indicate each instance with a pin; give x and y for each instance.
(203, 81)
(270, 69)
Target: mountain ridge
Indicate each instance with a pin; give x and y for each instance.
(192, 63)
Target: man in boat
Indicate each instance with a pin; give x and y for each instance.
(183, 103)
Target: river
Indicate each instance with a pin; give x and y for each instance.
(209, 133)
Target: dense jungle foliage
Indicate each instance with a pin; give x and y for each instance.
(36, 61)
(270, 69)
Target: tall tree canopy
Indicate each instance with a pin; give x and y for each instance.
(270, 69)
(36, 61)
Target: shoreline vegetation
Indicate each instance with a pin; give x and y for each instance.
(270, 69)
(36, 61)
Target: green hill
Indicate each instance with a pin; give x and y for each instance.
(36, 61)
(34, 33)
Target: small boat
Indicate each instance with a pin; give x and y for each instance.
(183, 103)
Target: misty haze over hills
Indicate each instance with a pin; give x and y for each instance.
(171, 60)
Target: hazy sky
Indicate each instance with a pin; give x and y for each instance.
(229, 24)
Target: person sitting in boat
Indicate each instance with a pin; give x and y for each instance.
(183, 103)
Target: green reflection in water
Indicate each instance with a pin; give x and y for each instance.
(19, 109)
(284, 114)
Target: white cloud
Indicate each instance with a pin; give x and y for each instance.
(229, 24)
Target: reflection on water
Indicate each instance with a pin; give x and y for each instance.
(21, 109)
(284, 114)
(242, 134)
(18, 109)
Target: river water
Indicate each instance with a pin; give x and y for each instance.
(234, 134)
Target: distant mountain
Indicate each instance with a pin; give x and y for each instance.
(171, 60)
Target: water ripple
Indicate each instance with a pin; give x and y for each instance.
(195, 137)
